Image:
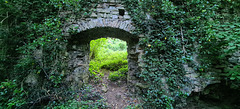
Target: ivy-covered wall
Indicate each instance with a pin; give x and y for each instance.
(169, 63)
(176, 47)
(78, 50)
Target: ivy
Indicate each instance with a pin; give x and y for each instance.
(36, 26)
(172, 30)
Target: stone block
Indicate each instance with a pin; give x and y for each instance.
(192, 75)
(237, 54)
(114, 24)
(92, 24)
(99, 10)
(141, 85)
(104, 1)
(120, 7)
(129, 27)
(121, 26)
(93, 15)
(104, 15)
(188, 69)
(32, 79)
(109, 23)
(114, 16)
(104, 89)
(109, 16)
(106, 11)
(112, 1)
(100, 15)
(86, 26)
(115, 13)
(112, 8)
(74, 47)
(105, 5)
(99, 6)
(141, 36)
(120, 17)
(234, 60)
(112, 4)
(118, 96)
(81, 28)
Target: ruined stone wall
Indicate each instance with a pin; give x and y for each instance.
(108, 19)
(111, 13)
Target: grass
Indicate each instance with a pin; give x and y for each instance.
(119, 74)
(110, 54)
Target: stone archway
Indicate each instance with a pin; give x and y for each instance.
(109, 19)
(79, 49)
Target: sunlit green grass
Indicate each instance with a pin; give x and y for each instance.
(110, 54)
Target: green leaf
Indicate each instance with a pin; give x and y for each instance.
(232, 78)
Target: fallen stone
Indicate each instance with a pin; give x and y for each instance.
(104, 89)
(118, 96)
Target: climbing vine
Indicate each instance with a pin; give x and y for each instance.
(32, 43)
(36, 27)
(174, 32)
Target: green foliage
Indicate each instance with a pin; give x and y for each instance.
(225, 43)
(174, 31)
(115, 61)
(111, 55)
(31, 41)
(86, 99)
(120, 74)
(95, 47)
(228, 32)
(134, 107)
(11, 95)
(74, 104)
(234, 76)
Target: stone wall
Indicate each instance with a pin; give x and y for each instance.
(111, 13)
(108, 19)
(78, 52)
(78, 65)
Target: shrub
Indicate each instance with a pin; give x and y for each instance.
(120, 74)
(111, 56)
(87, 99)
(11, 95)
(234, 76)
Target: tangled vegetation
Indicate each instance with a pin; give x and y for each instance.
(174, 30)
(110, 54)
(27, 26)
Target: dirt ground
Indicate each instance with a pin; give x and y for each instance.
(115, 92)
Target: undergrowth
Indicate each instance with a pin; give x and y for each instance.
(110, 54)
(173, 31)
(85, 99)
(119, 74)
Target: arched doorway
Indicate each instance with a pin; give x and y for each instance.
(79, 49)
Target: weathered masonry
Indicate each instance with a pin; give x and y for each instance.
(109, 19)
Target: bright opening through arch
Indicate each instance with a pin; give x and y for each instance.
(108, 56)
